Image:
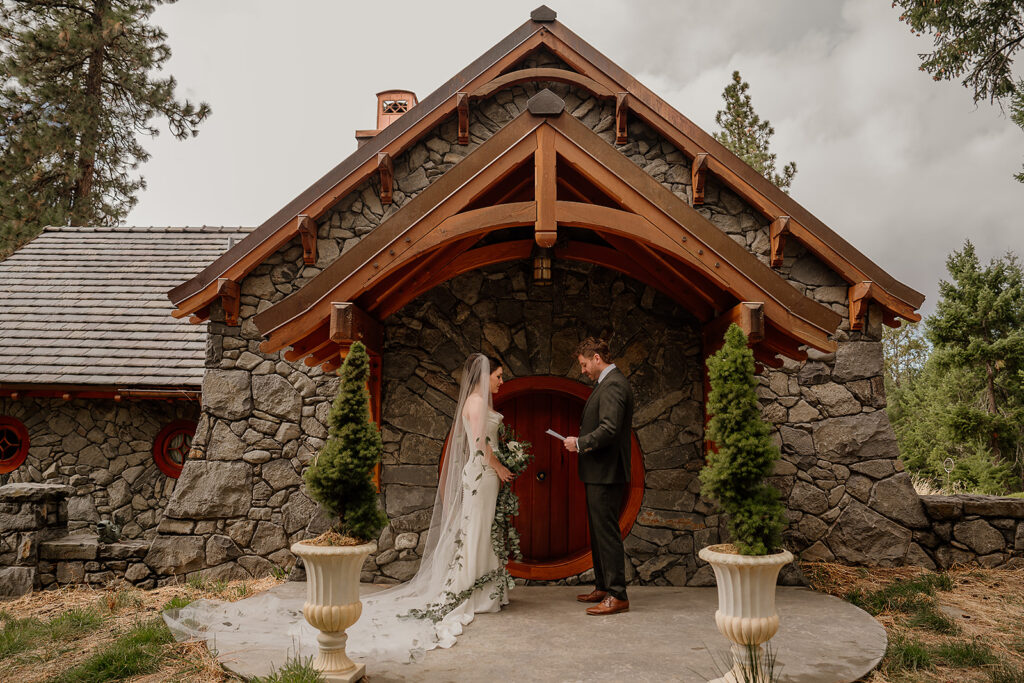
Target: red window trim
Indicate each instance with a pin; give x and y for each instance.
(20, 430)
(163, 439)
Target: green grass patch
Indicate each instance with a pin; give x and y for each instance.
(18, 635)
(139, 651)
(907, 595)
(905, 654)
(74, 623)
(928, 616)
(177, 602)
(242, 590)
(294, 671)
(1006, 673)
(961, 653)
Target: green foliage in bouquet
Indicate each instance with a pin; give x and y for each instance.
(743, 454)
(341, 477)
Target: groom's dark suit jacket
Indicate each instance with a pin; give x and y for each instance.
(604, 442)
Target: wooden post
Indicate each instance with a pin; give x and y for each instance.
(349, 324)
(698, 174)
(545, 188)
(462, 106)
(777, 233)
(386, 169)
(860, 295)
(621, 108)
(230, 299)
(307, 231)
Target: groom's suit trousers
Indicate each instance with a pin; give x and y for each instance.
(603, 504)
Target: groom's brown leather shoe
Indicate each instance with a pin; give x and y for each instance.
(610, 605)
(593, 596)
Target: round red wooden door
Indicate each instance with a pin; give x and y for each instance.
(552, 521)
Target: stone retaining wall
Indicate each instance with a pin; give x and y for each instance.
(969, 529)
(102, 449)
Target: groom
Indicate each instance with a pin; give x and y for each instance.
(604, 464)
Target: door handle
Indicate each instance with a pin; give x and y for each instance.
(541, 476)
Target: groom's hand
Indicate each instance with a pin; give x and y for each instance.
(570, 444)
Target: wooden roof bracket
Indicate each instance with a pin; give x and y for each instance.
(307, 231)
(749, 315)
(860, 295)
(386, 170)
(462, 106)
(621, 109)
(230, 298)
(698, 175)
(350, 324)
(777, 233)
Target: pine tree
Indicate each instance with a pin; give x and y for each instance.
(905, 350)
(975, 42)
(77, 86)
(341, 478)
(747, 136)
(979, 326)
(743, 455)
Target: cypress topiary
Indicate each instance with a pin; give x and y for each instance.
(743, 454)
(341, 479)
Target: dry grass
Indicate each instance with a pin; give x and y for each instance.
(990, 616)
(121, 609)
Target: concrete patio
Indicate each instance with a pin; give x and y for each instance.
(668, 635)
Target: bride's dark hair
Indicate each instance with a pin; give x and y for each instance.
(471, 370)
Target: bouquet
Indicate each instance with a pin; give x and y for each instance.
(513, 453)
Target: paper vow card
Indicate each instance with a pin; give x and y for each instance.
(555, 434)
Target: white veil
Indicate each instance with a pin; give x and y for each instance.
(382, 631)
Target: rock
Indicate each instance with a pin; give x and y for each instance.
(876, 469)
(917, 557)
(857, 360)
(979, 536)
(403, 570)
(70, 572)
(224, 445)
(412, 183)
(176, 554)
(241, 531)
(229, 571)
(402, 500)
(136, 572)
(410, 475)
(798, 440)
(803, 412)
(943, 507)
(808, 498)
(16, 581)
(257, 566)
(297, 512)
(896, 499)
(993, 506)
(73, 547)
(704, 576)
(1018, 540)
(406, 541)
(280, 474)
(818, 552)
(835, 398)
(862, 536)
(855, 438)
(227, 393)
(681, 521)
(81, 508)
(220, 549)
(275, 395)
(654, 565)
(268, 538)
(207, 490)
(257, 457)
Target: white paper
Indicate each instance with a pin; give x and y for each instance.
(555, 434)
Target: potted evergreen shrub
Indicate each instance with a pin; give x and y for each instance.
(742, 456)
(340, 480)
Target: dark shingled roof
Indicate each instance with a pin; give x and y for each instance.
(88, 306)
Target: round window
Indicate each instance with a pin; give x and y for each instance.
(172, 446)
(13, 444)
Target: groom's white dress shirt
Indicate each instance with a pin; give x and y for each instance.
(604, 373)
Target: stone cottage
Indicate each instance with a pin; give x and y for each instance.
(540, 196)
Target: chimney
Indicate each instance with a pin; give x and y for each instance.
(391, 104)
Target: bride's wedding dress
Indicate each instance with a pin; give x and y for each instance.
(459, 573)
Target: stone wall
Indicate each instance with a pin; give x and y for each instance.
(103, 449)
(263, 418)
(969, 529)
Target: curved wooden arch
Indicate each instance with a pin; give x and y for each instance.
(542, 74)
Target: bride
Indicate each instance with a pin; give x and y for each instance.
(458, 577)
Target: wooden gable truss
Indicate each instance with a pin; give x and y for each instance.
(642, 230)
(594, 72)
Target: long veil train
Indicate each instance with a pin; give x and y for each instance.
(382, 632)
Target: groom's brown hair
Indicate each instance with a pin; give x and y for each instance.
(591, 346)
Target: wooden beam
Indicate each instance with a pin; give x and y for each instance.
(748, 315)
(200, 316)
(308, 343)
(777, 232)
(766, 357)
(386, 170)
(860, 295)
(322, 354)
(462, 106)
(542, 74)
(780, 342)
(545, 187)
(307, 231)
(621, 109)
(230, 299)
(698, 174)
(380, 302)
(349, 324)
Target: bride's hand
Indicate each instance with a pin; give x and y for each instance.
(504, 473)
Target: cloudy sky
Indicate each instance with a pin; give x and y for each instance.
(903, 167)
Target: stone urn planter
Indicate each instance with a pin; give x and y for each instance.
(746, 599)
(332, 603)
